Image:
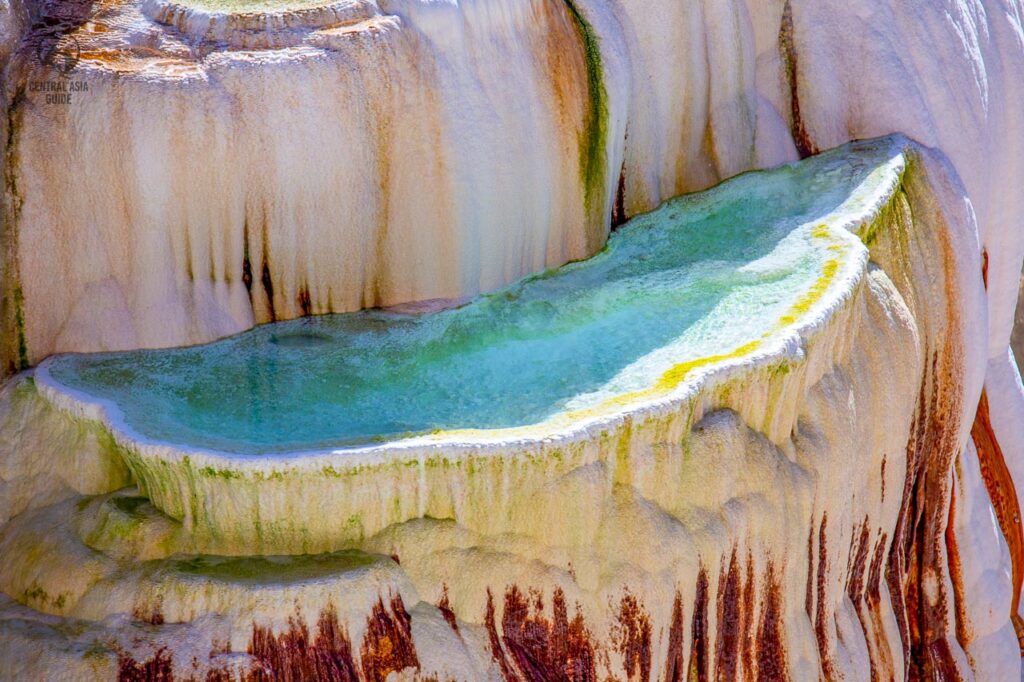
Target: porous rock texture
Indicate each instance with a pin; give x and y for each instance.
(855, 518)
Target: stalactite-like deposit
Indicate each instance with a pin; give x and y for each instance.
(726, 523)
(769, 431)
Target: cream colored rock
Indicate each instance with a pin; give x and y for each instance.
(368, 165)
(46, 457)
(464, 205)
(755, 501)
(224, 170)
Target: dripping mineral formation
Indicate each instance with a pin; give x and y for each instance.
(692, 495)
(323, 361)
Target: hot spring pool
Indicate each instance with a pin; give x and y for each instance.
(702, 279)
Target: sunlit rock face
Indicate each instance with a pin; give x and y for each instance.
(769, 505)
(286, 158)
(814, 477)
(366, 162)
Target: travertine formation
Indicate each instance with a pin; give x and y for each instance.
(836, 501)
(781, 509)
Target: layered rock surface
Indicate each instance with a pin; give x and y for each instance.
(785, 510)
(849, 512)
(375, 153)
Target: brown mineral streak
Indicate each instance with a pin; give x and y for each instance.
(771, 637)
(898, 568)
(883, 478)
(542, 650)
(963, 634)
(497, 653)
(631, 635)
(445, 607)
(531, 647)
(563, 52)
(809, 594)
(917, 560)
(787, 46)
(699, 631)
(159, 668)
(674, 661)
(881, 655)
(619, 216)
(821, 615)
(748, 624)
(1003, 494)
(858, 562)
(863, 590)
(150, 613)
(729, 622)
(292, 655)
(387, 646)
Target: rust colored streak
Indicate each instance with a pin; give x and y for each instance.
(821, 615)
(246, 261)
(771, 639)
(883, 478)
(284, 655)
(160, 668)
(917, 560)
(544, 650)
(619, 209)
(1003, 494)
(268, 287)
(631, 635)
(332, 649)
(497, 653)
(882, 668)
(152, 614)
(873, 594)
(865, 595)
(674, 664)
(899, 568)
(699, 631)
(798, 128)
(446, 610)
(387, 646)
(855, 580)
(918, 568)
(748, 623)
(956, 574)
(304, 301)
(809, 595)
(729, 623)
(292, 655)
(221, 675)
(932, 652)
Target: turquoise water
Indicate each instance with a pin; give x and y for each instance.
(701, 275)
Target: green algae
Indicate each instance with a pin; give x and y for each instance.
(97, 650)
(10, 215)
(226, 474)
(594, 136)
(265, 570)
(19, 321)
